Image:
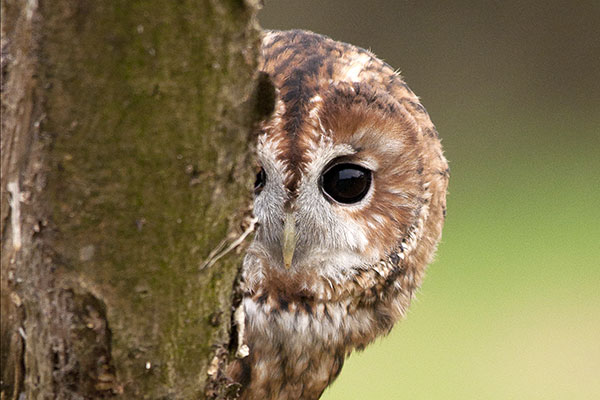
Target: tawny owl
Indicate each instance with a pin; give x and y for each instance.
(350, 202)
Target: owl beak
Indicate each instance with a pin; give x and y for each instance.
(289, 239)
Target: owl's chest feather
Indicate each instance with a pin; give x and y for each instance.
(297, 348)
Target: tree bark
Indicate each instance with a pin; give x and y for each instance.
(126, 181)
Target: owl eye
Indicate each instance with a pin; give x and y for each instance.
(261, 179)
(346, 183)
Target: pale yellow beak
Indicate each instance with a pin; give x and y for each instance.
(289, 239)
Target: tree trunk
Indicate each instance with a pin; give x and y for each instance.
(125, 186)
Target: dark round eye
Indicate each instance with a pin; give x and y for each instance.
(261, 179)
(346, 183)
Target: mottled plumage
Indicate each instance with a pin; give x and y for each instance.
(324, 277)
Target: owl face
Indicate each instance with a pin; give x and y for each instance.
(350, 202)
(344, 177)
(314, 228)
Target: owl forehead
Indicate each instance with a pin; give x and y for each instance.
(299, 62)
(334, 99)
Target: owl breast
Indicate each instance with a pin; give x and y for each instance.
(350, 203)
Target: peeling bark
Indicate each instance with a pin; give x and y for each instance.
(125, 164)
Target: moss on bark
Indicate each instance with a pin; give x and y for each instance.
(137, 167)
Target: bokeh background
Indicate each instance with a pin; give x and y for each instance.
(511, 307)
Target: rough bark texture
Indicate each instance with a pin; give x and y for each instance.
(125, 163)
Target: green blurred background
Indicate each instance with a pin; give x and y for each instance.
(511, 307)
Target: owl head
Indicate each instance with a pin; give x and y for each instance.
(351, 178)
